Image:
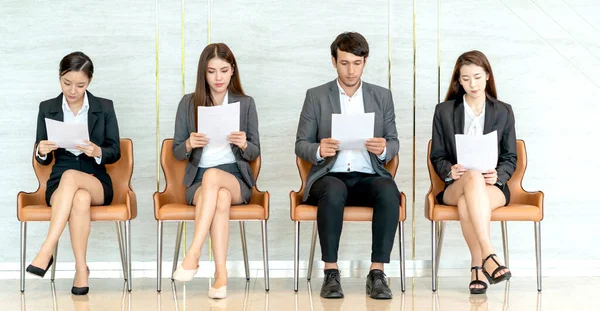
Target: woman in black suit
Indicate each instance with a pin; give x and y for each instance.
(79, 178)
(472, 108)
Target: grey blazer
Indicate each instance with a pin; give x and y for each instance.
(315, 124)
(449, 119)
(185, 125)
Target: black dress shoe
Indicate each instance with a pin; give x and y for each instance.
(78, 291)
(332, 288)
(39, 271)
(377, 287)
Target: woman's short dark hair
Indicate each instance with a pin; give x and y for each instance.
(350, 42)
(76, 61)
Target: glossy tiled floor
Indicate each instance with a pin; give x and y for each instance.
(560, 293)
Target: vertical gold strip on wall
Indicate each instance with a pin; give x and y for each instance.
(390, 45)
(414, 238)
(208, 39)
(182, 94)
(157, 104)
(439, 59)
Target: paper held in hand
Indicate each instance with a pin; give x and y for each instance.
(66, 135)
(219, 121)
(352, 130)
(479, 152)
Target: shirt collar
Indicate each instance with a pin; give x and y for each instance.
(469, 111)
(84, 108)
(342, 92)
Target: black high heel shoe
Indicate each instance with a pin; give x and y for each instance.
(477, 281)
(39, 271)
(492, 278)
(79, 291)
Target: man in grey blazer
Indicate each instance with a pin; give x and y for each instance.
(350, 177)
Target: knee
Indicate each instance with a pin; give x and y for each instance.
(210, 178)
(81, 202)
(474, 178)
(68, 178)
(387, 189)
(223, 200)
(335, 193)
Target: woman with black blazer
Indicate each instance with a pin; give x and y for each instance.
(78, 179)
(217, 175)
(472, 108)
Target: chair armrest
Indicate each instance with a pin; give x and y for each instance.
(429, 204)
(131, 202)
(535, 198)
(295, 200)
(161, 199)
(29, 198)
(261, 198)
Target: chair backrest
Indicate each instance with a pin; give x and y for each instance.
(514, 183)
(174, 171)
(120, 173)
(304, 168)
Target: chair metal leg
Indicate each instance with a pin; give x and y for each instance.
(296, 253)
(128, 250)
(121, 252)
(53, 274)
(23, 249)
(245, 249)
(402, 257)
(177, 248)
(505, 243)
(538, 254)
(312, 252)
(159, 245)
(433, 256)
(440, 239)
(265, 243)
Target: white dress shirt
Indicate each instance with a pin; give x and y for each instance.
(352, 160)
(214, 155)
(473, 124)
(80, 118)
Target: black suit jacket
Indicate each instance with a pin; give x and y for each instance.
(449, 119)
(102, 127)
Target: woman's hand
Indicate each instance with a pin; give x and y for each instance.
(45, 147)
(90, 149)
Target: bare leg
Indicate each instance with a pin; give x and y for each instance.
(219, 232)
(79, 227)
(206, 205)
(62, 202)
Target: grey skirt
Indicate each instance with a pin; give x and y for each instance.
(231, 168)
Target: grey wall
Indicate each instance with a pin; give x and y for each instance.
(545, 55)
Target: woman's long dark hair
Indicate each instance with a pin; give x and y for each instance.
(202, 96)
(455, 90)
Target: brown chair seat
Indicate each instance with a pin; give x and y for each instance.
(306, 212)
(179, 212)
(116, 212)
(512, 212)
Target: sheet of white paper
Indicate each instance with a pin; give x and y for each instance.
(479, 152)
(352, 130)
(66, 135)
(218, 121)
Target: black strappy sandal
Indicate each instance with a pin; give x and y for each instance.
(491, 278)
(477, 281)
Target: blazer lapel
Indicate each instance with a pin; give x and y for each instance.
(334, 97)
(459, 116)
(368, 99)
(56, 112)
(490, 116)
(95, 109)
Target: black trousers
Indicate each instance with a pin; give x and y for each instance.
(335, 190)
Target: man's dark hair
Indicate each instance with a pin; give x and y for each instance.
(350, 42)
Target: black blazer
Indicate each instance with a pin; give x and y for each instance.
(449, 119)
(102, 126)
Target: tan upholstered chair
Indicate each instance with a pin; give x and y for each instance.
(31, 206)
(170, 205)
(300, 212)
(524, 206)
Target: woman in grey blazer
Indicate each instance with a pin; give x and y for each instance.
(217, 175)
(471, 108)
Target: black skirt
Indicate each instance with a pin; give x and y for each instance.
(232, 168)
(504, 188)
(82, 163)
